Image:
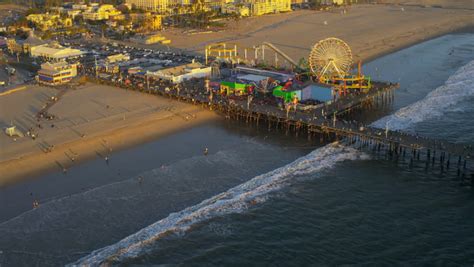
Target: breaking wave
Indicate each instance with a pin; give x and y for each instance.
(235, 200)
(256, 190)
(458, 86)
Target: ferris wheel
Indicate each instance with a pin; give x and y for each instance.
(329, 58)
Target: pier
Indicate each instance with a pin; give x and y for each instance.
(325, 122)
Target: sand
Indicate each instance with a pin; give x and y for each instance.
(131, 118)
(14, 7)
(460, 4)
(370, 30)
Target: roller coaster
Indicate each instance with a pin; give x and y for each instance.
(330, 62)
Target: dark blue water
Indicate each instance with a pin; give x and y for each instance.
(279, 205)
(392, 217)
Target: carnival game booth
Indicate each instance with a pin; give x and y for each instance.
(234, 88)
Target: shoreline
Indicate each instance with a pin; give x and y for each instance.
(459, 30)
(102, 143)
(377, 30)
(35, 163)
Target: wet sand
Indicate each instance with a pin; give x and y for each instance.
(370, 30)
(92, 121)
(96, 204)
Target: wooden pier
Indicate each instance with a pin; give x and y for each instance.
(324, 122)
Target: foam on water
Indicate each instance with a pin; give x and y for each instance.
(256, 190)
(457, 88)
(234, 200)
(231, 158)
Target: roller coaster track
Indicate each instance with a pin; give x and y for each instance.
(281, 53)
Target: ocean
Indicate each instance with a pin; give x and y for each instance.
(263, 198)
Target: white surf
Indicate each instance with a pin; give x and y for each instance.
(457, 88)
(235, 200)
(257, 190)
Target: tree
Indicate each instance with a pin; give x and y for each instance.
(52, 3)
(32, 11)
(303, 63)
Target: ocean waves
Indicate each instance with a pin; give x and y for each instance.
(235, 200)
(459, 86)
(259, 189)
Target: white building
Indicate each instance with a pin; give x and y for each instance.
(160, 6)
(183, 72)
(54, 52)
(79, 7)
(56, 73)
(117, 58)
(103, 12)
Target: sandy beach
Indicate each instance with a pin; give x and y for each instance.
(370, 30)
(92, 121)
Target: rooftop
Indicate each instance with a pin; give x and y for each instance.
(56, 51)
(181, 69)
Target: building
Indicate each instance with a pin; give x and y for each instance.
(334, 2)
(306, 93)
(320, 92)
(48, 21)
(55, 52)
(261, 7)
(234, 88)
(213, 4)
(286, 95)
(42, 21)
(56, 73)
(103, 12)
(79, 7)
(73, 13)
(160, 6)
(298, 2)
(24, 46)
(243, 11)
(117, 58)
(181, 73)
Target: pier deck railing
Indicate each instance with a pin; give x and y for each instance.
(323, 120)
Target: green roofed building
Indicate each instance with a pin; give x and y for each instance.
(230, 88)
(287, 96)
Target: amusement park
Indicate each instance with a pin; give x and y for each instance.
(326, 76)
(262, 84)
